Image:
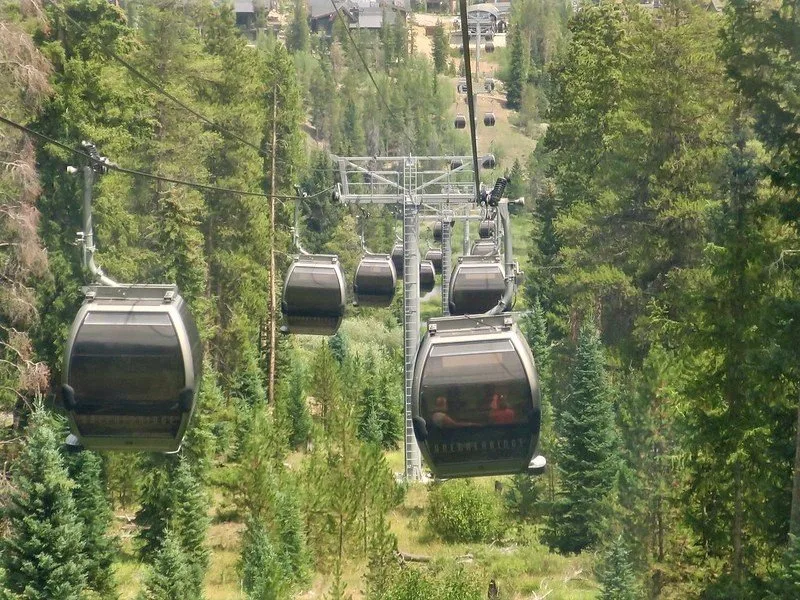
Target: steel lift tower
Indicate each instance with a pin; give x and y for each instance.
(425, 187)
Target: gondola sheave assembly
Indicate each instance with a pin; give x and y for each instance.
(427, 277)
(475, 397)
(477, 285)
(313, 295)
(132, 368)
(375, 281)
(487, 229)
(435, 256)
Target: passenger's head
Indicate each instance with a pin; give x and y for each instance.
(498, 401)
(441, 403)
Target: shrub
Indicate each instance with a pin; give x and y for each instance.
(459, 511)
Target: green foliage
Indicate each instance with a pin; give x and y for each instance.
(43, 555)
(291, 412)
(588, 459)
(441, 48)
(297, 38)
(616, 576)
(441, 584)
(524, 495)
(291, 536)
(173, 500)
(169, 577)
(460, 511)
(95, 515)
(263, 575)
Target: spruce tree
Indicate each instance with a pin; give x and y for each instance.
(616, 576)
(42, 555)
(94, 513)
(155, 510)
(261, 568)
(293, 405)
(189, 523)
(291, 535)
(297, 37)
(169, 577)
(587, 456)
(518, 67)
(441, 48)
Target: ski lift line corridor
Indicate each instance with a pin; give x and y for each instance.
(487, 421)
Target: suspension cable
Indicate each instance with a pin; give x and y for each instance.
(465, 42)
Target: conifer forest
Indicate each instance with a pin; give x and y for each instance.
(656, 144)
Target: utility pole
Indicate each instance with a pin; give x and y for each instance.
(272, 283)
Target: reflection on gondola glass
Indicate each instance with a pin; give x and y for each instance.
(459, 372)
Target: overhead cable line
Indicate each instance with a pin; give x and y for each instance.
(465, 42)
(369, 72)
(143, 174)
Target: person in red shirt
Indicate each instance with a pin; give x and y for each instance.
(500, 413)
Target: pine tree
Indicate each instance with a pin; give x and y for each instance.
(297, 37)
(441, 48)
(588, 461)
(189, 523)
(263, 576)
(42, 554)
(616, 576)
(94, 513)
(325, 384)
(155, 509)
(291, 535)
(297, 421)
(168, 578)
(517, 75)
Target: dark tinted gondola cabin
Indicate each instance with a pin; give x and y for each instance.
(375, 281)
(313, 295)
(435, 256)
(132, 367)
(427, 276)
(486, 247)
(475, 397)
(397, 259)
(477, 285)
(487, 229)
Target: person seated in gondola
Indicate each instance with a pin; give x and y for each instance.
(500, 413)
(442, 419)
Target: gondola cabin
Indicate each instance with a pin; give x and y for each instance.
(397, 259)
(437, 230)
(435, 256)
(375, 281)
(460, 122)
(475, 397)
(313, 295)
(132, 368)
(477, 285)
(427, 277)
(483, 248)
(487, 229)
(489, 119)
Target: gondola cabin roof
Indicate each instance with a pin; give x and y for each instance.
(132, 368)
(477, 285)
(485, 247)
(313, 295)
(435, 256)
(375, 281)
(475, 397)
